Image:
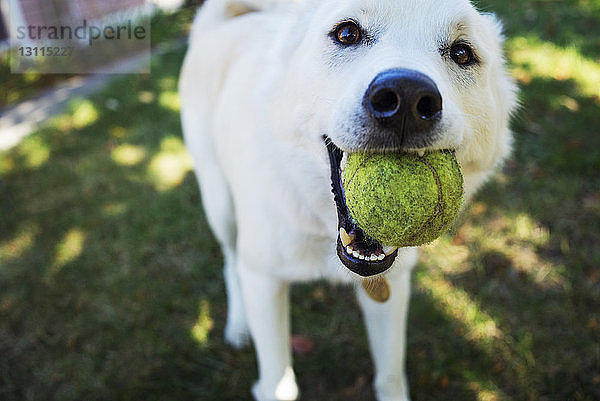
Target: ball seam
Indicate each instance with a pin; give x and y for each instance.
(362, 165)
(438, 207)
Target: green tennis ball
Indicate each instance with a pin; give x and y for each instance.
(403, 199)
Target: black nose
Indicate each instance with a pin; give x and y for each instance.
(404, 101)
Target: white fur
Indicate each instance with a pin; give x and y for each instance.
(260, 90)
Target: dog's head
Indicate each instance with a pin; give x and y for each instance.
(399, 76)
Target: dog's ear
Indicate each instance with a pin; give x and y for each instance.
(238, 8)
(495, 24)
(487, 152)
(508, 88)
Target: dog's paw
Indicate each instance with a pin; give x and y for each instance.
(395, 388)
(394, 399)
(286, 389)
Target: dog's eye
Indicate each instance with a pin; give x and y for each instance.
(347, 33)
(462, 54)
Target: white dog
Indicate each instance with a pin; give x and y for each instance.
(273, 96)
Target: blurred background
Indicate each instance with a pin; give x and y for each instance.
(110, 280)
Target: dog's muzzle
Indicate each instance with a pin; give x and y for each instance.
(404, 106)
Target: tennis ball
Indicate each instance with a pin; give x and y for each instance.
(403, 199)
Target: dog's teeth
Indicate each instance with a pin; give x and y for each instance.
(369, 258)
(345, 237)
(388, 250)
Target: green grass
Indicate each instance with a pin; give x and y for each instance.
(110, 281)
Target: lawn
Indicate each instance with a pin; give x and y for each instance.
(110, 280)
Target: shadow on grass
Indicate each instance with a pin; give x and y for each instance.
(106, 256)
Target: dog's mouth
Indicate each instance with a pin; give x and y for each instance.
(359, 253)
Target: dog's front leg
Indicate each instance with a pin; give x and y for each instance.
(266, 300)
(386, 327)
